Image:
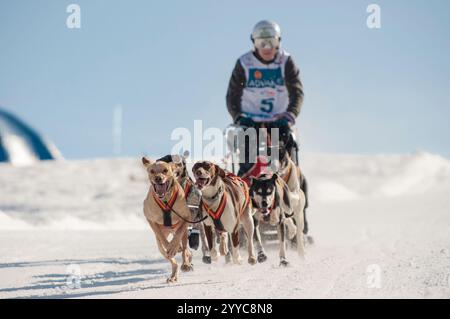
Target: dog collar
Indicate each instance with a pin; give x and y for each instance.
(216, 195)
(166, 207)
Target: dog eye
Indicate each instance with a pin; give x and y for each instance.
(165, 171)
(152, 172)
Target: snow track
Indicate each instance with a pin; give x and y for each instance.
(75, 230)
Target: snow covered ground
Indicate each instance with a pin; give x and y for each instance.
(76, 229)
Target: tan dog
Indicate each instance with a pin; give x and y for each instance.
(226, 200)
(164, 197)
(193, 199)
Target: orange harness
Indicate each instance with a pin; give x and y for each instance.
(166, 207)
(220, 209)
(239, 182)
(187, 188)
(217, 214)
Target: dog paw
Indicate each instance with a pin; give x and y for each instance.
(262, 257)
(284, 263)
(252, 260)
(214, 255)
(187, 267)
(206, 259)
(309, 240)
(228, 258)
(171, 280)
(237, 261)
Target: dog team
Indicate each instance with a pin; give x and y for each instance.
(218, 204)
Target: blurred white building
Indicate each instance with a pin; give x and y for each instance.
(20, 144)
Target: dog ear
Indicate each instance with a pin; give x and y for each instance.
(173, 166)
(220, 171)
(177, 159)
(274, 177)
(194, 168)
(166, 159)
(147, 162)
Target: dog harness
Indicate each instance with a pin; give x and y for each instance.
(166, 207)
(236, 180)
(187, 188)
(215, 215)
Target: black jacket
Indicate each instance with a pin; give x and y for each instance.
(238, 80)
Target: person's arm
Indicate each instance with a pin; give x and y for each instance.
(294, 87)
(235, 90)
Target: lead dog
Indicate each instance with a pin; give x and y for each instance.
(164, 197)
(193, 198)
(226, 200)
(272, 204)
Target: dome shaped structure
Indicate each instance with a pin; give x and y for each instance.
(20, 144)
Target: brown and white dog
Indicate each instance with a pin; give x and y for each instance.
(165, 196)
(226, 200)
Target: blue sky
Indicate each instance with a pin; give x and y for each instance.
(168, 63)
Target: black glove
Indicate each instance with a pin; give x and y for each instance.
(285, 119)
(245, 121)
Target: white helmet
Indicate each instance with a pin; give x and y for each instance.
(266, 29)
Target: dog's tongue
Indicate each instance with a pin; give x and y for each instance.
(201, 182)
(160, 189)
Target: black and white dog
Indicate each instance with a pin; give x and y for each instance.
(274, 203)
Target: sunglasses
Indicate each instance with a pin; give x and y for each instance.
(269, 43)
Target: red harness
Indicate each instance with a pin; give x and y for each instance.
(240, 183)
(187, 188)
(166, 207)
(219, 211)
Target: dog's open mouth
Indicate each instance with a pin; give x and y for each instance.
(201, 182)
(161, 189)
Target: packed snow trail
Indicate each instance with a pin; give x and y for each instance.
(74, 229)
